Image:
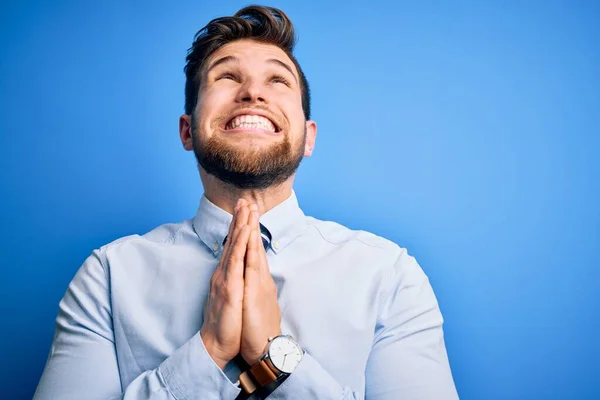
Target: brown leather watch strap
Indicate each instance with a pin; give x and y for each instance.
(247, 383)
(258, 376)
(262, 374)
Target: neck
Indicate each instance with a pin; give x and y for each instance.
(225, 196)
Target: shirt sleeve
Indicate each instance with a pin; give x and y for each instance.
(408, 359)
(311, 381)
(83, 361)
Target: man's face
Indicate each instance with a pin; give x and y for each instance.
(249, 128)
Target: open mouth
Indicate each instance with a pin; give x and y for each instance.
(246, 122)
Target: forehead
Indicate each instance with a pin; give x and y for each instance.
(251, 51)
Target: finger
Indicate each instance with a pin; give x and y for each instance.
(255, 241)
(235, 262)
(240, 220)
(252, 254)
(237, 218)
(229, 236)
(262, 253)
(254, 223)
(253, 217)
(240, 202)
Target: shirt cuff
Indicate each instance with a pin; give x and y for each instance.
(308, 381)
(190, 373)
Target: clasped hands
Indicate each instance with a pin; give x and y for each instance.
(241, 312)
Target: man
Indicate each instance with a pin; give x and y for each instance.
(250, 297)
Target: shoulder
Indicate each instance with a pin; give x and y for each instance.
(338, 234)
(130, 253)
(158, 238)
(392, 257)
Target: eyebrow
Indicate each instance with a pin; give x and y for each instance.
(233, 59)
(282, 64)
(222, 60)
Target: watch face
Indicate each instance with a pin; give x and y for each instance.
(285, 354)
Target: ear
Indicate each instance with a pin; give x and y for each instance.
(185, 132)
(311, 137)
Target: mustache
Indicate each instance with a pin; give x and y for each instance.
(225, 117)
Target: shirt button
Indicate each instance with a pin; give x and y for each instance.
(276, 244)
(216, 246)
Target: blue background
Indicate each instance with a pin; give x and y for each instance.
(464, 131)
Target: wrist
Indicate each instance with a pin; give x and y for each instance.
(282, 356)
(252, 358)
(253, 354)
(213, 350)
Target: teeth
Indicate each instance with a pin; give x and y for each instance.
(251, 121)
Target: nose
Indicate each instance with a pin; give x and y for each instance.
(251, 92)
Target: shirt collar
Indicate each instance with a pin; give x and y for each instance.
(285, 222)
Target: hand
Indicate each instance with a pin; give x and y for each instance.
(222, 327)
(261, 316)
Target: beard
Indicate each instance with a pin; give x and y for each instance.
(244, 168)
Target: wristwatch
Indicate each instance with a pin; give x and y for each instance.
(281, 358)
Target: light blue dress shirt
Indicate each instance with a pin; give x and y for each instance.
(360, 305)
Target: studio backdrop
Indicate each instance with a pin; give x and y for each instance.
(467, 132)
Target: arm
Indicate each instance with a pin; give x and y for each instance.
(408, 359)
(311, 381)
(262, 319)
(83, 362)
